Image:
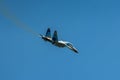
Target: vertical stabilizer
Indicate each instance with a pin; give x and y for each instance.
(55, 37)
(48, 33)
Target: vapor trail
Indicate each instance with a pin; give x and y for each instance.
(6, 13)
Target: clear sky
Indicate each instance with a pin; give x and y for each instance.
(93, 26)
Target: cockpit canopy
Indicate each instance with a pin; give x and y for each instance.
(69, 44)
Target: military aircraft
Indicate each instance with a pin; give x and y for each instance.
(59, 43)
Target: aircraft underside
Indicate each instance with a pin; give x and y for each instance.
(59, 44)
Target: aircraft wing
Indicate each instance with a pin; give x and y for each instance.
(55, 37)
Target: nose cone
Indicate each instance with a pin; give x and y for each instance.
(75, 50)
(71, 47)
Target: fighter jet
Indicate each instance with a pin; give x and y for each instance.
(59, 43)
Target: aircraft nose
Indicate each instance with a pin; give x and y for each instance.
(75, 50)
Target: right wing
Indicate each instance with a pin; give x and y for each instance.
(48, 33)
(55, 37)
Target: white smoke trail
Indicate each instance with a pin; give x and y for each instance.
(6, 13)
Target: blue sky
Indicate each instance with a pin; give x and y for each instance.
(91, 25)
